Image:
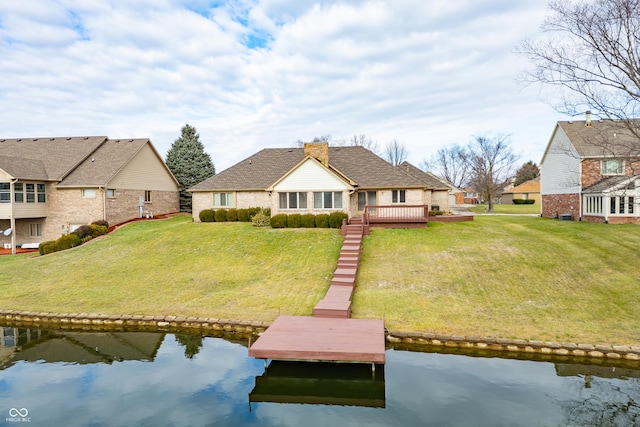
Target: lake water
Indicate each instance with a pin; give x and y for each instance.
(64, 378)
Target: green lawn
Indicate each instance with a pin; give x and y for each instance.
(176, 267)
(508, 209)
(513, 277)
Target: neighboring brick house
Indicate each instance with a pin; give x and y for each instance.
(50, 186)
(591, 171)
(529, 190)
(317, 179)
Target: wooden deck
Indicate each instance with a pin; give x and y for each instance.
(322, 339)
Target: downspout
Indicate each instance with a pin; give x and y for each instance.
(13, 219)
(104, 203)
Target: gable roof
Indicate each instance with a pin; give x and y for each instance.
(266, 167)
(104, 163)
(604, 138)
(87, 161)
(531, 186)
(59, 156)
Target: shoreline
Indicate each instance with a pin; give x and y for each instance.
(252, 329)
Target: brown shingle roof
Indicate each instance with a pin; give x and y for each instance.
(429, 179)
(59, 156)
(21, 168)
(103, 164)
(604, 138)
(531, 186)
(264, 168)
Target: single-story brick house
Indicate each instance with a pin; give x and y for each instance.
(318, 179)
(50, 186)
(529, 190)
(590, 171)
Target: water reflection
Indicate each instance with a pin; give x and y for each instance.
(156, 379)
(350, 384)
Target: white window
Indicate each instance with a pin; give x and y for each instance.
(31, 192)
(87, 193)
(622, 205)
(399, 196)
(222, 200)
(147, 196)
(292, 200)
(42, 193)
(327, 200)
(611, 167)
(35, 230)
(111, 193)
(593, 205)
(18, 192)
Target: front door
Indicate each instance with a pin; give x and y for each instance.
(366, 198)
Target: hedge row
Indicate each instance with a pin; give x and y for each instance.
(81, 235)
(523, 201)
(231, 215)
(333, 220)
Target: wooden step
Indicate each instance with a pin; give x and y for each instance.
(344, 292)
(343, 281)
(345, 272)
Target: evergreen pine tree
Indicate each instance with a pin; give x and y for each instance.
(189, 163)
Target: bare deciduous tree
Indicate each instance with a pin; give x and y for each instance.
(363, 141)
(449, 163)
(395, 152)
(491, 163)
(591, 50)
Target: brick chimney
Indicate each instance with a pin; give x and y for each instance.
(318, 150)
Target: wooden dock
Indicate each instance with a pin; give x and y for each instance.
(322, 339)
(330, 335)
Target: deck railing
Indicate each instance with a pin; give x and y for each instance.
(390, 214)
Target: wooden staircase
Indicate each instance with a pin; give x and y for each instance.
(337, 301)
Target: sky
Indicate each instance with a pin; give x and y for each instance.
(254, 74)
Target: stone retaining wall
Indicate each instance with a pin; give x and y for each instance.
(212, 326)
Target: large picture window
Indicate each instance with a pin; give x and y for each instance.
(292, 200)
(327, 200)
(593, 205)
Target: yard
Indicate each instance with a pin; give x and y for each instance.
(512, 277)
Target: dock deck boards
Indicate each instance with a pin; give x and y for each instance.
(322, 339)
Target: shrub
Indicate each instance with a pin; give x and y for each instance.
(243, 215)
(47, 247)
(221, 215)
(335, 219)
(435, 212)
(101, 222)
(260, 219)
(322, 221)
(207, 215)
(279, 221)
(232, 215)
(253, 211)
(98, 230)
(67, 241)
(308, 221)
(82, 231)
(85, 239)
(523, 201)
(267, 211)
(294, 221)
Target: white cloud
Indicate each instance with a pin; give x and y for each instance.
(250, 75)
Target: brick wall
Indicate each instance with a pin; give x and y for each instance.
(591, 170)
(124, 206)
(67, 206)
(554, 204)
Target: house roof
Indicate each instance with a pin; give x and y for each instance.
(58, 156)
(610, 183)
(604, 138)
(428, 178)
(263, 169)
(104, 163)
(531, 186)
(87, 161)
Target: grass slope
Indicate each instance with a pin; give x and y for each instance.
(512, 277)
(224, 270)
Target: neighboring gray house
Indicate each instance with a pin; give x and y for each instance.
(50, 186)
(591, 171)
(317, 179)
